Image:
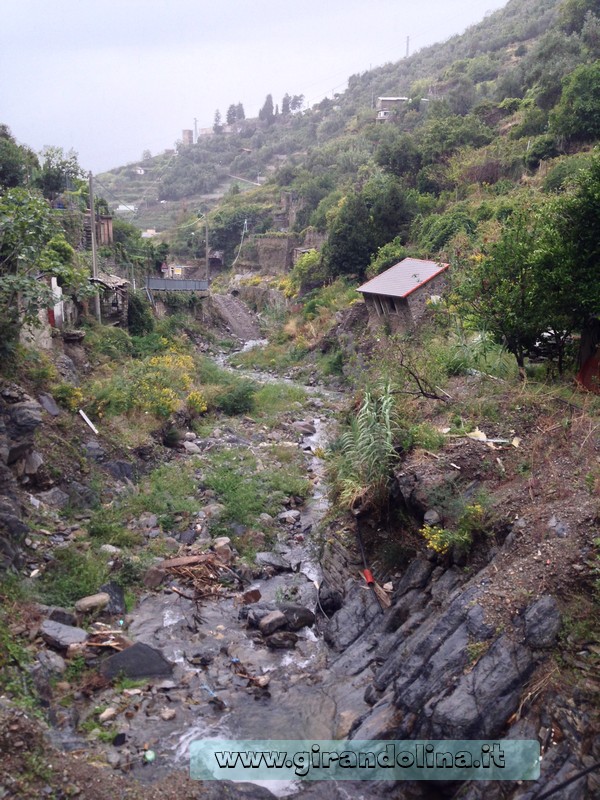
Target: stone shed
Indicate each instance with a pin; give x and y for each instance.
(399, 295)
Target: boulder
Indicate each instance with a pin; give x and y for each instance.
(542, 623)
(273, 560)
(61, 636)
(138, 661)
(297, 617)
(272, 622)
(192, 448)
(93, 602)
(282, 640)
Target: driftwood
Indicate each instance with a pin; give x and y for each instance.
(206, 574)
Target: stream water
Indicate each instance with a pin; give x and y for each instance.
(214, 651)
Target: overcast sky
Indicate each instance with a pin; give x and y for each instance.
(112, 78)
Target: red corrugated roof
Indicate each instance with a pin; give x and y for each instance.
(403, 278)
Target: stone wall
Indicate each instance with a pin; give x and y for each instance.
(417, 301)
(275, 253)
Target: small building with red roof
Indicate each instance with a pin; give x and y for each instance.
(400, 294)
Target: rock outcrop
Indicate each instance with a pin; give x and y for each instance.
(20, 415)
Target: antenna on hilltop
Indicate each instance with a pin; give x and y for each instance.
(407, 45)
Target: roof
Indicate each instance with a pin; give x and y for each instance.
(111, 281)
(403, 278)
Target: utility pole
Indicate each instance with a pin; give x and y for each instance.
(195, 130)
(207, 250)
(407, 46)
(94, 254)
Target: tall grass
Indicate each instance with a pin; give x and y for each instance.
(361, 465)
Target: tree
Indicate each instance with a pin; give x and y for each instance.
(297, 102)
(285, 104)
(16, 162)
(32, 246)
(500, 290)
(217, 124)
(350, 244)
(59, 171)
(267, 112)
(231, 115)
(240, 114)
(577, 115)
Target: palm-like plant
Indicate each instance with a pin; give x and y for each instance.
(362, 465)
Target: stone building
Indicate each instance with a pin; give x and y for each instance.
(400, 295)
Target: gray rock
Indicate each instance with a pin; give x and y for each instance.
(282, 640)
(297, 617)
(188, 537)
(93, 602)
(52, 661)
(94, 450)
(116, 602)
(120, 470)
(304, 427)
(273, 560)
(61, 636)
(33, 461)
(62, 615)
(48, 403)
(477, 626)
(191, 448)
(432, 517)
(542, 623)
(482, 701)
(137, 661)
(289, 517)
(415, 577)
(272, 622)
(54, 497)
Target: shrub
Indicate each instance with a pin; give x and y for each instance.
(362, 465)
(237, 398)
(72, 575)
(139, 315)
(68, 396)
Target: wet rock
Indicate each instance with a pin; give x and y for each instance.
(477, 626)
(55, 498)
(94, 602)
(61, 636)
(330, 599)
(272, 622)
(484, 698)
(49, 404)
(138, 661)
(273, 560)
(542, 623)
(282, 640)
(297, 617)
(359, 610)
(415, 577)
(250, 596)
(304, 427)
(168, 714)
(116, 602)
(289, 517)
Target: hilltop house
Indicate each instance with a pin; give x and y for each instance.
(399, 295)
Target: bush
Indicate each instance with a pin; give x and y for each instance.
(139, 315)
(72, 575)
(238, 398)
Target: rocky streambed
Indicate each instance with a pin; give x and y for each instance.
(303, 650)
